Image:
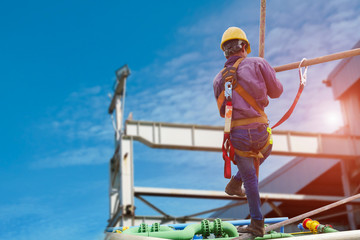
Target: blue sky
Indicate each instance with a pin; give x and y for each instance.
(57, 63)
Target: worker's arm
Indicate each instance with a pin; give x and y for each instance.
(273, 85)
(218, 86)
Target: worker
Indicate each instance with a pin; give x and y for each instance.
(257, 78)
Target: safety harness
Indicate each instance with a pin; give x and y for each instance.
(230, 78)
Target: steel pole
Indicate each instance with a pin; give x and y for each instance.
(348, 235)
(303, 216)
(262, 29)
(313, 61)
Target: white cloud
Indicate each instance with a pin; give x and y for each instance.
(86, 92)
(184, 59)
(83, 115)
(83, 118)
(80, 156)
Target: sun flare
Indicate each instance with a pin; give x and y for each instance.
(333, 119)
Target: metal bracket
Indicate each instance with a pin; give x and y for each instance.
(129, 210)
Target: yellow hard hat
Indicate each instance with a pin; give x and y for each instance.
(234, 33)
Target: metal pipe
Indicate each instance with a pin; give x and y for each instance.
(180, 226)
(313, 61)
(262, 29)
(313, 212)
(235, 222)
(305, 215)
(274, 236)
(187, 233)
(190, 193)
(348, 235)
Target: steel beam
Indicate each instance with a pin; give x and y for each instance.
(187, 193)
(121, 194)
(215, 209)
(121, 75)
(209, 138)
(153, 206)
(275, 208)
(347, 192)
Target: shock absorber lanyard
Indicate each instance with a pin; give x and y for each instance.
(303, 77)
(227, 148)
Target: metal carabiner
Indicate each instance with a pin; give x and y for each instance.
(228, 90)
(303, 75)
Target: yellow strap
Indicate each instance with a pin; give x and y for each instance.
(246, 121)
(236, 64)
(244, 94)
(248, 154)
(248, 98)
(252, 153)
(268, 142)
(220, 101)
(257, 156)
(221, 97)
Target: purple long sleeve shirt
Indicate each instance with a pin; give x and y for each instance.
(258, 78)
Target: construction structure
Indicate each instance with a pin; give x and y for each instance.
(343, 148)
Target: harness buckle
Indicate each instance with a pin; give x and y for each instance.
(268, 129)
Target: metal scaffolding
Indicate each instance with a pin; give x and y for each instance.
(207, 138)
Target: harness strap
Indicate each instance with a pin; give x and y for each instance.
(229, 75)
(248, 98)
(246, 121)
(256, 155)
(253, 153)
(220, 102)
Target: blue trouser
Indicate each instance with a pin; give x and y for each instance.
(250, 140)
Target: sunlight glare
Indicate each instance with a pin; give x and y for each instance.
(333, 119)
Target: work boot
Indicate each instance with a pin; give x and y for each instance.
(234, 188)
(256, 228)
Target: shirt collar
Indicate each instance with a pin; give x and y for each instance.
(231, 60)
